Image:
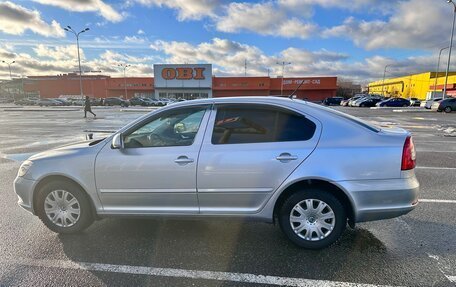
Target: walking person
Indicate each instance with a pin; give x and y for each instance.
(88, 107)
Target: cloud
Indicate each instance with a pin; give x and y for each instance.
(186, 9)
(265, 18)
(56, 62)
(422, 27)
(141, 32)
(228, 58)
(68, 52)
(351, 5)
(15, 19)
(134, 40)
(105, 10)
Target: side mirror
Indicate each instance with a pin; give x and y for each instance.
(117, 142)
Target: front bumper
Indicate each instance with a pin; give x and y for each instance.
(24, 189)
(382, 199)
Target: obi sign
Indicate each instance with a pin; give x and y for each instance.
(183, 76)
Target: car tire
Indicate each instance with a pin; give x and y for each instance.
(333, 227)
(447, 110)
(63, 195)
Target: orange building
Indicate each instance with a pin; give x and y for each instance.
(99, 86)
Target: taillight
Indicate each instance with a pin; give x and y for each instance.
(408, 154)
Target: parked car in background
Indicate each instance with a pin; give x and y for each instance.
(344, 102)
(63, 102)
(367, 102)
(5, 100)
(135, 101)
(351, 100)
(446, 105)
(96, 101)
(394, 102)
(49, 102)
(333, 101)
(428, 103)
(148, 102)
(415, 102)
(26, 102)
(76, 101)
(151, 102)
(263, 158)
(116, 102)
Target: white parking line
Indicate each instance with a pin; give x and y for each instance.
(442, 268)
(435, 167)
(182, 273)
(437, 200)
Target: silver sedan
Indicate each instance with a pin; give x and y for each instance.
(308, 168)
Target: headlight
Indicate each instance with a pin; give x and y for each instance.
(25, 166)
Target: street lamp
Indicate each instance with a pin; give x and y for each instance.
(451, 46)
(437, 70)
(125, 66)
(283, 71)
(9, 65)
(383, 83)
(69, 29)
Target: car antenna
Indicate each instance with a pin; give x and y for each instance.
(292, 94)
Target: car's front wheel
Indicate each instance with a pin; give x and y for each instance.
(447, 109)
(312, 219)
(63, 207)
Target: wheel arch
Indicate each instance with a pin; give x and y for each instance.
(304, 184)
(50, 178)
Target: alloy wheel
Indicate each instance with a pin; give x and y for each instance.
(62, 208)
(312, 219)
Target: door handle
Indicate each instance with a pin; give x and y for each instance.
(283, 157)
(183, 160)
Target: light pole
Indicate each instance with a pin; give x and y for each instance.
(451, 46)
(69, 29)
(9, 66)
(125, 66)
(383, 83)
(437, 70)
(283, 71)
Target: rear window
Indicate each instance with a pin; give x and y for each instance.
(348, 117)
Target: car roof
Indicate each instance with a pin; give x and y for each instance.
(240, 100)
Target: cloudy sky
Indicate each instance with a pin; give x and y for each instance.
(353, 39)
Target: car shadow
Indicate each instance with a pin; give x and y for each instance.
(217, 245)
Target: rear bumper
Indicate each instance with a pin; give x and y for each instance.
(382, 199)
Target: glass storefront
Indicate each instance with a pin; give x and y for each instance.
(183, 95)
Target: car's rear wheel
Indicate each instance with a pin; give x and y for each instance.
(63, 207)
(312, 219)
(447, 109)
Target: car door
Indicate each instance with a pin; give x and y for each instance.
(155, 171)
(247, 152)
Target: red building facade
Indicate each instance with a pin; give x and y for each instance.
(98, 86)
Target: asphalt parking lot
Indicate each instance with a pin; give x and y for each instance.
(418, 249)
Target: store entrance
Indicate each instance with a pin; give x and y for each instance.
(182, 95)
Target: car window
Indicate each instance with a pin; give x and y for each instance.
(171, 128)
(257, 124)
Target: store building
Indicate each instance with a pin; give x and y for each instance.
(180, 81)
(413, 86)
(183, 81)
